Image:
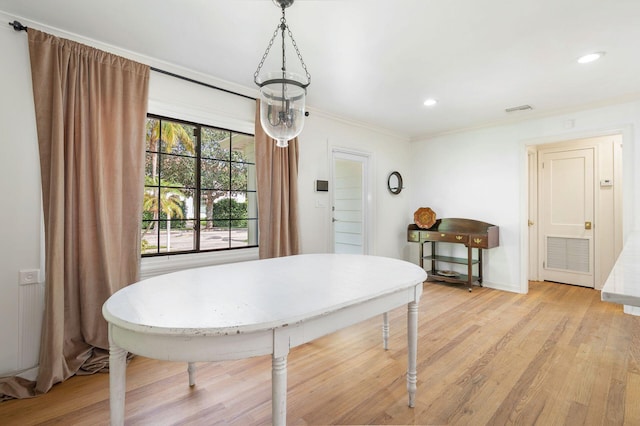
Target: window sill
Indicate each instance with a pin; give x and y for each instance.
(152, 266)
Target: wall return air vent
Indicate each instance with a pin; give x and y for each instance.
(519, 108)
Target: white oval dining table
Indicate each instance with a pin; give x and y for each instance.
(253, 308)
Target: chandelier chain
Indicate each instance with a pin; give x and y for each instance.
(295, 46)
(266, 53)
(282, 26)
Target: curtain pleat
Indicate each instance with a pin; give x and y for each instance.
(277, 170)
(90, 113)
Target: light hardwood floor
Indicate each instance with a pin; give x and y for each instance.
(553, 357)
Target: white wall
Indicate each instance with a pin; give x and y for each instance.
(321, 134)
(20, 216)
(482, 174)
(19, 170)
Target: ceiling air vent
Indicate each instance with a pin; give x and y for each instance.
(519, 108)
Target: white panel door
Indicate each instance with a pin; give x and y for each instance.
(567, 214)
(349, 213)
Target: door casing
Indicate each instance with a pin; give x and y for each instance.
(608, 224)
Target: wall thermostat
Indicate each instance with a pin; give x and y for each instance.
(322, 185)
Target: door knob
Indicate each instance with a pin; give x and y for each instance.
(587, 225)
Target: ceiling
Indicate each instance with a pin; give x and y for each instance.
(376, 61)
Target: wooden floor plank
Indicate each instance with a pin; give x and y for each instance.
(557, 355)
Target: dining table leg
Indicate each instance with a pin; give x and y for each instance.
(279, 390)
(385, 331)
(117, 382)
(191, 370)
(412, 337)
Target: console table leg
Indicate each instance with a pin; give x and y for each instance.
(279, 391)
(117, 382)
(470, 267)
(191, 369)
(385, 331)
(412, 336)
(480, 266)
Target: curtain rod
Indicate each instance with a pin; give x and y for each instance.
(19, 27)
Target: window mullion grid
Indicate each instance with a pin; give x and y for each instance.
(159, 187)
(230, 184)
(198, 187)
(197, 195)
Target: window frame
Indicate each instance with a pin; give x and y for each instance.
(197, 190)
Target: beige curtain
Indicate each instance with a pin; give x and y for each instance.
(277, 170)
(90, 112)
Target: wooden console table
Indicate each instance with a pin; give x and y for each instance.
(471, 233)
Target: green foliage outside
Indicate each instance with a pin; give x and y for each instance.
(169, 205)
(228, 212)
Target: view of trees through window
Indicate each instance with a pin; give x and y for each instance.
(200, 188)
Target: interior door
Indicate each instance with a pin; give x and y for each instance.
(349, 207)
(567, 215)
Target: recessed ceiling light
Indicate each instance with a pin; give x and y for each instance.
(590, 57)
(430, 102)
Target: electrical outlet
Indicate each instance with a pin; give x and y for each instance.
(29, 276)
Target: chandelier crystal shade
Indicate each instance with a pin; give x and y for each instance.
(282, 93)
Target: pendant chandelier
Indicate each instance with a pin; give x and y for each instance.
(282, 93)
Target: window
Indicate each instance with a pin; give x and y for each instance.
(200, 189)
